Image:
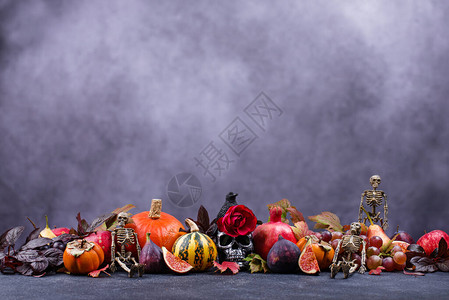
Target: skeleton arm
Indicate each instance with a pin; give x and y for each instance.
(385, 223)
(337, 250)
(360, 208)
(112, 266)
(362, 268)
(137, 245)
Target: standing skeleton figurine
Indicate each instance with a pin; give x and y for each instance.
(350, 244)
(374, 198)
(125, 237)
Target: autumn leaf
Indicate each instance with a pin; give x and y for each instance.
(376, 271)
(97, 273)
(227, 265)
(413, 273)
(257, 263)
(287, 208)
(300, 230)
(327, 220)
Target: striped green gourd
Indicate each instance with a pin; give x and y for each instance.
(196, 248)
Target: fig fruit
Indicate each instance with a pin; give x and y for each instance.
(307, 261)
(266, 235)
(174, 263)
(283, 256)
(151, 257)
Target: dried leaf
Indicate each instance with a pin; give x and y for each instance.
(33, 234)
(414, 273)
(328, 219)
(227, 265)
(376, 271)
(82, 225)
(97, 273)
(257, 263)
(125, 208)
(295, 215)
(36, 243)
(284, 203)
(423, 264)
(99, 223)
(203, 218)
(27, 255)
(9, 237)
(300, 229)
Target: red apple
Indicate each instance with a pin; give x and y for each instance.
(104, 239)
(60, 230)
(430, 240)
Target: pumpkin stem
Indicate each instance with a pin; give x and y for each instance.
(156, 208)
(192, 225)
(82, 243)
(148, 236)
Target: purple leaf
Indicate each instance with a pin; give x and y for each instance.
(54, 256)
(33, 235)
(443, 265)
(25, 269)
(423, 264)
(27, 256)
(203, 218)
(39, 266)
(36, 243)
(10, 237)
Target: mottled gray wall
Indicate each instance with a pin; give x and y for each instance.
(102, 102)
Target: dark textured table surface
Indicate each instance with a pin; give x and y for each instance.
(241, 286)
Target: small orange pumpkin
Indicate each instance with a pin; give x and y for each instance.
(164, 228)
(82, 257)
(324, 253)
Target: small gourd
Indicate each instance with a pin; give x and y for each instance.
(82, 257)
(195, 248)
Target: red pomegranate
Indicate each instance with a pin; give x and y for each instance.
(104, 240)
(266, 235)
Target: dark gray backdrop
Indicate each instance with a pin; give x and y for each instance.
(102, 102)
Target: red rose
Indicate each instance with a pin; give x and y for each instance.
(238, 220)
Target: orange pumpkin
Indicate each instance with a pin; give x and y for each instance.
(324, 253)
(82, 257)
(164, 228)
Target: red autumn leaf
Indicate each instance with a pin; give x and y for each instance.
(96, 273)
(413, 273)
(376, 271)
(227, 265)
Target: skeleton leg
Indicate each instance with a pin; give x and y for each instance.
(335, 267)
(346, 268)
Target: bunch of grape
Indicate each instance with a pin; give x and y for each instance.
(393, 260)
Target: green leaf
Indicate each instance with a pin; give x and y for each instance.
(300, 230)
(327, 220)
(257, 263)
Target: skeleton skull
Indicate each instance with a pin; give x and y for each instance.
(356, 228)
(375, 181)
(234, 248)
(122, 219)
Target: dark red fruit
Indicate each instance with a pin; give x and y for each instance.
(151, 257)
(326, 236)
(283, 256)
(104, 240)
(404, 237)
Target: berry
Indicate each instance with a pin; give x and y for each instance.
(326, 236)
(373, 262)
(388, 264)
(372, 251)
(336, 235)
(400, 258)
(375, 241)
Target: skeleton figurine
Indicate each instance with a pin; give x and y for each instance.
(234, 249)
(350, 244)
(124, 237)
(374, 198)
